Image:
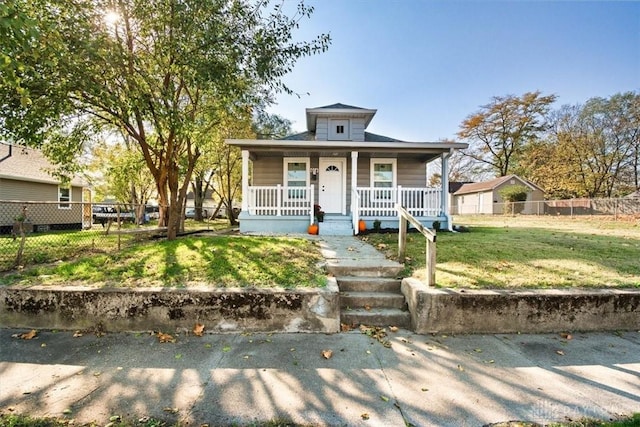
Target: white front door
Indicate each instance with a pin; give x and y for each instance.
(331, 187)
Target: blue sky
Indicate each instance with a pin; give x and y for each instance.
(426, 65)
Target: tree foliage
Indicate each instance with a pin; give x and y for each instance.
(499, 132)
(164, 72)
(591, 150)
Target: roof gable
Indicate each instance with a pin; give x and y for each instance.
(338, 110)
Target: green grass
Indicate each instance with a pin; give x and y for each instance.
(217, 261)
(528, 252)
(41, 248)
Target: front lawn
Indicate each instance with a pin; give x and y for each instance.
(527, 252)
(217, 261)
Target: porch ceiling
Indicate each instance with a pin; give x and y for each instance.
(425, 157)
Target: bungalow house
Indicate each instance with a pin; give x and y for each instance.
(485, 198)
(350, 173)
(24, 178)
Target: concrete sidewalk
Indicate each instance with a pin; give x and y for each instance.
(240, 379)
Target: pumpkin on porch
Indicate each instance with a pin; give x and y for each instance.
(313, 229)
(362, 225)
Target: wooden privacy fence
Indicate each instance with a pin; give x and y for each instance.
(430, 236)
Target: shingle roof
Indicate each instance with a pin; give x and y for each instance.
(340, 106)
(27, 164)
(490, 185)
(368, 137)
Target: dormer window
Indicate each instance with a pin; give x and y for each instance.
(339, 129)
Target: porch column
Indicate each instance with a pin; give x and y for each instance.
(444, 181)
(245, 180)
(355, 218)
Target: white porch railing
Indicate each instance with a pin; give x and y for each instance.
(281, 201)
(366, 201)
(381, 202)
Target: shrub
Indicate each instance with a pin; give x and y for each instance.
(513, 196)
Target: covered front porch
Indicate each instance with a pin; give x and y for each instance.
(347, 186)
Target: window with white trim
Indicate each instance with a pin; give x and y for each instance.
(383, 175)
(296, 174)
(64, 197)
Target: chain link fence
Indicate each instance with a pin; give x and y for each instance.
(44, 232)
(615, 208)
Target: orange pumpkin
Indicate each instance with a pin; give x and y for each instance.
(362, 225)
(313, 229)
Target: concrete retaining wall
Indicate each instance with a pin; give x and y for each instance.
(220, 310)
(509, 311)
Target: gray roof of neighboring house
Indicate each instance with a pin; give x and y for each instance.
(368, 137)
(491, 185)
(27, 164)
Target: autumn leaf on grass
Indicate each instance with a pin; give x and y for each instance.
(77, 334)
(566, 336)
(367, 307)
(382, 246)
(165, 337)
(27, 335)
(327, 354)
(171, 410)
(198, 329)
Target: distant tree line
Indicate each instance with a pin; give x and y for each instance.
(583, 150)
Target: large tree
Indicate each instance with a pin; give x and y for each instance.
(499, 131)
(159, 70)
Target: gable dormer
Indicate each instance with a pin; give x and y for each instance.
(339, 122)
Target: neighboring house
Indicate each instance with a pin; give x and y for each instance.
(350, 173)
(484, 197)
(24, 178)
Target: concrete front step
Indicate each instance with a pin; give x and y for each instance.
(383, 317)
(358, 270)
(372, 300)
(368, 284)
(335, 227)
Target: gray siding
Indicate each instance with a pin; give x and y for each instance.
(357, 129)
(267, 171)
(412, 173)
(322, 129)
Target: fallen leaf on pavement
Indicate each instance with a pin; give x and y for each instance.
(27, 335)
(77, 334)
(350, 249)
(171, 410)
(198, 329)
(382, 246)
(367, 307)
(365, 416)
(566, 336)
(165, 337)
(560, 352)
(460, 368)
(327, 354)
(393, 328)
(384, 398)
(345, 328)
